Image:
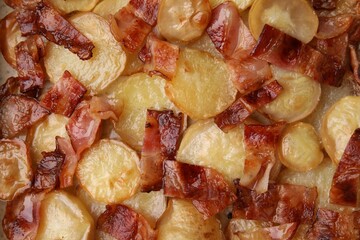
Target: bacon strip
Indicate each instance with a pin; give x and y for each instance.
(355, 65)
(68, 168)
(283, 203)
(45, 20)
(64, 96)
(324, 4)
(161, 140)
(31, 73)
(205, 186)
(123, 223)
(9, 87)
(22, 216)
(330, 27)
(147, 10)
(18, 112)
(346, 180)
(160, 57)
(243, 107)
(289, 53)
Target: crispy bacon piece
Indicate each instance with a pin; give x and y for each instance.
(161, 139)
(128, 29)
(283, 203)
(147, 10)
(48, 170)
(324, 4)
(330, 27)
(289, 53)
(18, 112)
(28, 55)
(246, 105)
(160, 57)
(68, 168)
(45, 20)
(346, 180)
(9, 87)
(333, 225)
(355, 65)
(123, 223)
(64, 96)
(22, 216)
(205, 186)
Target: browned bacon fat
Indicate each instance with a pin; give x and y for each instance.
(147, 10)
(289, 53)
(280, 204)
(69, 165)
(330, 27)
(346, 180)
(123, 223)
(45, 20)
(324, 4)
(355, 65)
(162, 131)
(22, 216)
(246, 105)
(18, 112)
(9, 87)
(64, 96)
(205, 186)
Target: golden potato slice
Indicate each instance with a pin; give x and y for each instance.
(63, 216)
(104, 67)
(242, 4)
(41, 137)
(109, 171)
(107, 7)
(138, 92)
(295, 18)
(298, 99)
(338, 124)
(201, 87)
(206, 145)
(68, 6)
(94, 208)
(15, 168)
(182, 221)
(300, 148)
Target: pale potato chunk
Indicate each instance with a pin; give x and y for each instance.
(206, 145)
(182, 221)
(109, 171)
(41, 137)
(338, 124)
(298, 99)
(95, 208)
(68, 6)
(107, 63)
(138, 93)
(205, 44)
(300, 148)
(15, 168)
(63, 216)
(107, 7)
(295, 18)
(242, 4)
(201, 87)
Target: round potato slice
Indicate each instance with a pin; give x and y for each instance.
(206, 145)
(109, 171)
(15, 168)
(295, 18)
(138, 93)
(63, 216)
(107, 7)
(300, 148)
(338, 124)
(182, 221)
(201, 87)
(68, 6)
(41, 137)
(107, 63)
(299, 97)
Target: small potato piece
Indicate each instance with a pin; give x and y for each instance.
(182, 221)
(94, 208)
(138, 92)
(338, 124)
(183, 20)
(68, 6)
(41, 137)
(298, 99)
(295, 18)
(63, 216)
(104, 67)
(205, 44)
(15, 168)
(109, 171)
(242, 4)
(299, 147)
(206, 145)
(107, 7)
(201, 87)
